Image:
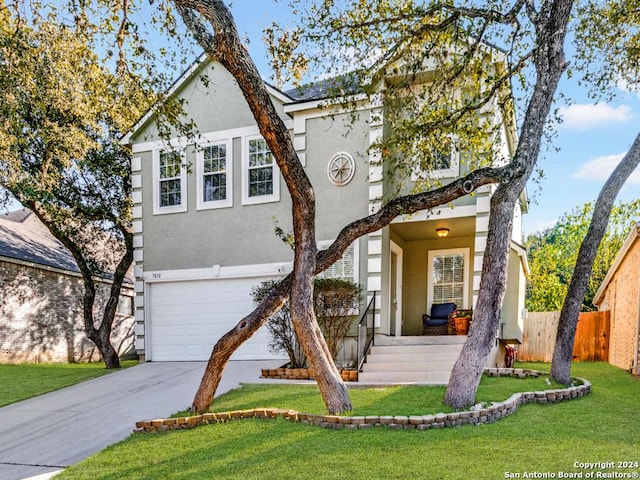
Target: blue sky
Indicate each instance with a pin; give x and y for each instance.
(591, 140)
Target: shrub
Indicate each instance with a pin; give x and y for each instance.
(336, 304)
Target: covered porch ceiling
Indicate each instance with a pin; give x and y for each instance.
(426, 229)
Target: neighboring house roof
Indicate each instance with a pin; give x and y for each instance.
(633, 236)
(24, 237)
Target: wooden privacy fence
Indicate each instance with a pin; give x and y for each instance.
(539, 337)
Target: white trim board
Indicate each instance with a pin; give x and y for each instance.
(218, 271)
(218, 135)
(440, 214)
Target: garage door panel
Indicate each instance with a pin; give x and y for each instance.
(188, 318)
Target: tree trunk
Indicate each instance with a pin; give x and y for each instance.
(549, 60)
(565, 337)
(99, 336)
(468, 369)
(332, 388)
(224, 46)
(230, 342)
(109, 355)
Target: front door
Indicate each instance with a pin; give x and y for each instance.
(395, 291)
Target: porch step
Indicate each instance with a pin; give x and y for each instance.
(415, 349)
(383, 340)
(420, 360)
(437, 366)
(392, 378)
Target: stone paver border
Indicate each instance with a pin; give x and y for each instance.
(475, 416)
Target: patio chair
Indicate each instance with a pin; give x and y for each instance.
(437, 322)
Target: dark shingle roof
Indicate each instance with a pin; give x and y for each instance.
(347, 84)
(24, 237)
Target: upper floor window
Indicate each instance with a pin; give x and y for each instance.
(444, 161)
(215, 176)
(261, 179)
(170, 183)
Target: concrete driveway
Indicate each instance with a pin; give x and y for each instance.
(50, 432)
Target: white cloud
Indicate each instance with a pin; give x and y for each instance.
(600, 168)
(584, 116)
(539, 227)
(627, 87)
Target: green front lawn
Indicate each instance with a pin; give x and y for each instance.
(602, 427)
(23, 381)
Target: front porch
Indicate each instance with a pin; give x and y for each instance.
(423, 360)
(420, 267)
(410, 268)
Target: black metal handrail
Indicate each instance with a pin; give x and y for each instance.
(366, 331)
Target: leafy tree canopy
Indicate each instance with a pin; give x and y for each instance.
(432, 65)
(74, 78)
(553, 253)
(608, 32)
(62, 114)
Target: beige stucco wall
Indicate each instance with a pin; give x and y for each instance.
(622, 298)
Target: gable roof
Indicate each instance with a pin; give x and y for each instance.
(634, 235)
(23, 237)
(193, 70)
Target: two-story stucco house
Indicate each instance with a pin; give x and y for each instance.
(204, 221)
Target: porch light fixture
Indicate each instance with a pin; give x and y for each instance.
(442, 232)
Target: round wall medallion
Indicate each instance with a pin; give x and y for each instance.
(341, 169)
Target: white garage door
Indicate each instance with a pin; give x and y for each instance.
(188, 318)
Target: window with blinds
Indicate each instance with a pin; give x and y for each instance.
(448, 278)
(343, 268)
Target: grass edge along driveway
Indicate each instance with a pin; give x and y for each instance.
(22, 381)
(538, 441)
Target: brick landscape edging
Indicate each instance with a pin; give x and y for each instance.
(476, 416)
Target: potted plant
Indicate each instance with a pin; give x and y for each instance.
(462, 320)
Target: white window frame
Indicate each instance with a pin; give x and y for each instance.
(324, 244)
(157, 208)
(201, 204)
(467, 269)
(452, 172)
(246, 199)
